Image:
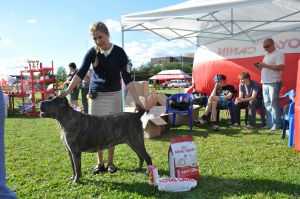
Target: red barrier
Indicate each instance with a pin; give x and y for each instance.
(297, 111)
(204, 72)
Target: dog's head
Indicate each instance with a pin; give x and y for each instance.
(54, 107)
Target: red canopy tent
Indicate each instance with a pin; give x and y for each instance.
(233, 57)
(167, 75)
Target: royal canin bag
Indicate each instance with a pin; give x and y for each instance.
(183, 158)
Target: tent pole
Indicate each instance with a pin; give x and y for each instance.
(198, 40)
(122, 36)
(231, 21)
(122, 82)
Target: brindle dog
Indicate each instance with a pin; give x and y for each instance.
(87, 133)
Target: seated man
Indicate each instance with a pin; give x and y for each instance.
(219, 97)
(250, 96)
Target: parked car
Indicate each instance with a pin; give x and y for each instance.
(164, 84)
(178, 83)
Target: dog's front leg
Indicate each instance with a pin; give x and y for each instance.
(77, 164)
(72, 164)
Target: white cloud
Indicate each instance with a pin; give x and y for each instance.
(31, 21)
(12, 65)
(113, 25)
(142, 52)
(6, 43)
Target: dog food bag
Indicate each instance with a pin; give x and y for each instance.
(183, 158)
(153, 175)
(176, 184)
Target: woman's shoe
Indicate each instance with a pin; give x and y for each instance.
(215, 127)
(249, 126)
(112, 168)
(236, 124)
(203, 119)
(100, 168)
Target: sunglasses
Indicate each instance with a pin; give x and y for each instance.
(267, 46)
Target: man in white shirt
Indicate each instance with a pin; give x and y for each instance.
(271, 69)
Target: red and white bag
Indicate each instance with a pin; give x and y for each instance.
(183, 158)
(170, 184)
(176, 184)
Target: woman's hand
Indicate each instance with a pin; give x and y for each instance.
(140, 107)
(63, 93)
(237, 100)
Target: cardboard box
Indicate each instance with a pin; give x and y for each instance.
(154, 122)
(154, 125)
(148, 99)
(141, 89)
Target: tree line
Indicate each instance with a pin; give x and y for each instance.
(146, 71)
(142, 73)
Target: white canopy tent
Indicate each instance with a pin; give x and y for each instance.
(205, 22)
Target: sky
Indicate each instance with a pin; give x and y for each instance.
(58, 30)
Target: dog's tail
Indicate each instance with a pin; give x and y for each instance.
(140, 111)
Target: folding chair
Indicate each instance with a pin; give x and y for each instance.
(288, 118)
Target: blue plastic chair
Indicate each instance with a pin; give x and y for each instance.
(289, 117)
(182, 104)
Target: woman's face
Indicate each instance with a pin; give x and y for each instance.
(101, 40)
(71, 69)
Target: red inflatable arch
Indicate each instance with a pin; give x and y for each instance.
(232, 57)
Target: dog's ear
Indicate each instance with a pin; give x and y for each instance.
(66, 102)
(63, 102)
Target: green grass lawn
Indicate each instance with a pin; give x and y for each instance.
(234, 163)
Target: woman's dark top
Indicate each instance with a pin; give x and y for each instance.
(106, 76)
(226, 90)
(71, 75)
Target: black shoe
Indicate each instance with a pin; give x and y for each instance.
(249, 126)
(112, 168)
(203, 119)
(196, 121)
(215, 127)
(100, 168)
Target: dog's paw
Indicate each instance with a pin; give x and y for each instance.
(138, 169)
(75, 180)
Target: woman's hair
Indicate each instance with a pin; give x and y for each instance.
(99, 26)
(244, 75)
(219, 77)
(72, 65)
